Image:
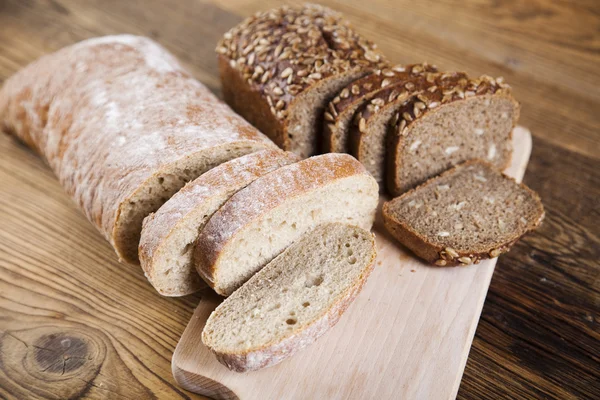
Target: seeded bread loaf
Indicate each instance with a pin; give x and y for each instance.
(280, 68)
(124, 127)
(169, 235)
(261, 220)
(293, 301)
(452, 122)
(369, 131)
(341, 109)
(469, 213)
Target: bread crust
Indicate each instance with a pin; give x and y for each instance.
(277, 63)
(110, 115)
(266, 193)
(437, 254)
(447, 91)
(336, 132)
(228, 177)
(276, 351)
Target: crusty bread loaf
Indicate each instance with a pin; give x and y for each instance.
(280, 68)
(468, 213)
(369, 131)
(294, 300)
(169, 235)
(342, 108)
(124, 127)
(261, 220)
(457, 120)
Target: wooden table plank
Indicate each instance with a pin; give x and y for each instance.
(538, 337)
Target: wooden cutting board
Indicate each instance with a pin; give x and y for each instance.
(406, 336)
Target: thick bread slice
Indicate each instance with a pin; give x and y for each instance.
(455, 121)
(342, 108)
(169, 235)
(294, 300)
(123, 126)
(369, 131)
(280, 68)
(468, 213)
(261, 220)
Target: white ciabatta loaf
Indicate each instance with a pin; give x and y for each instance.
(123, 126)
(261, 220)
(169, 235)
(294, 300)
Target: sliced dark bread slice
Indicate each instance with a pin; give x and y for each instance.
(468, 213)
(169, 235)
(341, 110)
(261, 220)
(369, 131)
(280, 68)
(294, 300)
(455, 121)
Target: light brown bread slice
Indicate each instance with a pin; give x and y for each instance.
(294, 300)
(469, 213)
(341, 109)
(261, 220)
(369, 131)
(280, 68)
(455, 121)
(169, 235)
(123, 126)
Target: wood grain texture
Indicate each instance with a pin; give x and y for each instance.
(538, 335)
(406, 336)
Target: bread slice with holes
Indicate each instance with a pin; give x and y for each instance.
(341, 110)
(452, 122)
(469, 213)
(294, 300)
(280, 68)
(169, 235)
(261, 220)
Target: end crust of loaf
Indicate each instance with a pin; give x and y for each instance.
(441, 251)
(261, 220)
(450, 123)
(169, 235)
(280, 69)
(310, 289)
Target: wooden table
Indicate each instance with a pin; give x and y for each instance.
(73, 327)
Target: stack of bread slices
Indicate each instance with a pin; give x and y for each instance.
(178, 182)
(294, 73)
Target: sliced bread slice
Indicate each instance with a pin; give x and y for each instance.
(261, 220)
(338, 117)
(169, 235)
(280, 68)
(455, 121)
(294, 300)
(369, 132)
(468, 213)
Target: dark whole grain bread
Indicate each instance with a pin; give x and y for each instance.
(341, 109)
(469, 213)
(452, 122)
(369, 130)
(280, 69)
